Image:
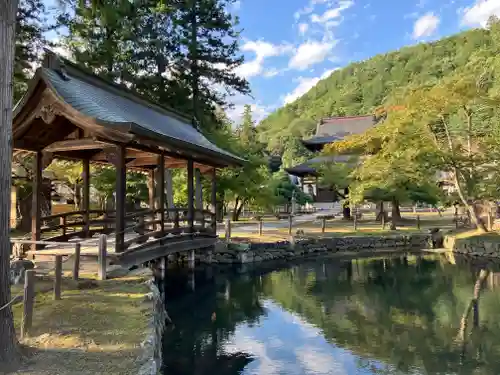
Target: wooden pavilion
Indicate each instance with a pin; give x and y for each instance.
(71, 114)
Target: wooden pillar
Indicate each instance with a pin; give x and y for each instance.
(36, 206)
(151, 191)
(213, 200)
(190, 197)
(160, 190)
(121, 175)
(169, 190)
(198, 196)
(86, 196)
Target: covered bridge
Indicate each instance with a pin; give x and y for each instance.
(71, 114)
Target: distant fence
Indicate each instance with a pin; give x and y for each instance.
(358, 222)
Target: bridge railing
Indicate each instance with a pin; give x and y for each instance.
(145, 222)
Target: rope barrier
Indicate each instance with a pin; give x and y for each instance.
(13, 300)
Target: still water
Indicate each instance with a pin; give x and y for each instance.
(407, 314)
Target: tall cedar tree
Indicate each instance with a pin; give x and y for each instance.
(100, 38)
(29, 42)
(9, 353)
(180, 54)
(208, 54)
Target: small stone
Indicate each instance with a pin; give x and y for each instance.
(17, 270)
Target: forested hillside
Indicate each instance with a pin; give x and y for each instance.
(361, 87)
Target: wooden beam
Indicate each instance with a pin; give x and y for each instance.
(86, 195)
(36, 206)
(198, 190)
(160, 190)
(169, 189)
(213, 198)
(190, 197)
(75, 145)
(151, 194)
(121, 175)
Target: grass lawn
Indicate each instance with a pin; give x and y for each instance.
(95, 329)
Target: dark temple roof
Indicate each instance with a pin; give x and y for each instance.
(308, 168)
(335, 128)
(115, 107)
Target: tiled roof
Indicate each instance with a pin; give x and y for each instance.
(110, 105)
(309, 167)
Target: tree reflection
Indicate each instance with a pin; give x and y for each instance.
(204, 320)
(403, 311)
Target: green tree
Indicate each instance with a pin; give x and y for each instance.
(208, 54)
(29, 41)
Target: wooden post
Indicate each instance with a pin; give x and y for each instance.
(29, 302)
(62, 222)
(260, 227)
(199, 196)
(160, 191)
(383, 220)
(323, 224)
(86, 196)
(290, 224)
(456, 219)
(101, 257)
(418, 222)
(213, 200)
(58, 278)
(76, 264)
(490, 225)
(151, 191)
(190, 197)
(355, 219)
(169, 189)
(36, 205)
(228, 230)
(121, 175)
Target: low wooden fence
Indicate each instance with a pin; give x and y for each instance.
(63, 249)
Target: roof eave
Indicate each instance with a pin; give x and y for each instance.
(219, 159)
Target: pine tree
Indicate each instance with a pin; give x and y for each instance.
(208, 53)
(29, 42)
(101, 36)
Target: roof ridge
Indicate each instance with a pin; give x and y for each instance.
(60, 64)
(345, 117)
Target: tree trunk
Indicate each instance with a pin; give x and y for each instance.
(238, 209)
(396, 213)
(472, 306)
(346, 211)
(9, 351)
(380, 211)
(471, 210)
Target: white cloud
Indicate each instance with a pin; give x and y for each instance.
(332, 13)
(262, 51)
(310, 53)
(480, 12)
(305, 84)
(303, 27)
(237, 5)
(425, 26)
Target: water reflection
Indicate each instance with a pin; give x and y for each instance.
(393, 315)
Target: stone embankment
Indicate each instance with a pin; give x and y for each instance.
(479, 246)
(227, 253)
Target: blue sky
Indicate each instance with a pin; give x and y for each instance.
(290, 44)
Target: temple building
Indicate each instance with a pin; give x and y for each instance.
(328, 130)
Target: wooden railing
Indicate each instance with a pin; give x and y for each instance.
(145, 222)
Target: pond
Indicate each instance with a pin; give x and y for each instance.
(404, 314)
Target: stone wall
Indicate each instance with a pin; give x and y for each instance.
(257, 252)
(474, 246)
(151, 347)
